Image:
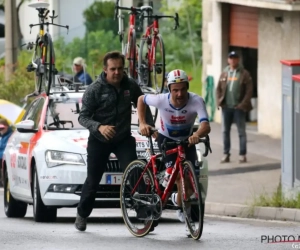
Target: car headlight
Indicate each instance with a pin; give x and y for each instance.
(57, 158)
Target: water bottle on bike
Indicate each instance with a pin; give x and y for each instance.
(167, 176)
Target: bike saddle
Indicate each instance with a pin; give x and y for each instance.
(146, 7)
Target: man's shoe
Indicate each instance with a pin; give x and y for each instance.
(80, 223)
(243, 159)
(226, 158)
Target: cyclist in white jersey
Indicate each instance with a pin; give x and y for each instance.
(178, 111)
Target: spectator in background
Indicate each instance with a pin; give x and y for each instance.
(234, 92)
(5, 133)
(79, 67)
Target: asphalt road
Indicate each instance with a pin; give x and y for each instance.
(106, 230)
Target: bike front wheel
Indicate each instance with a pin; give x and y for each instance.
(192, 203)
(137, 192)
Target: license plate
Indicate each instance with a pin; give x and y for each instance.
(113, 179)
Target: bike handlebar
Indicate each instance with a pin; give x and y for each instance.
(205, 140)
(134, 9)
(156, 17)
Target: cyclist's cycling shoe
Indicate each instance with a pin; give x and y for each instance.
(179, 212)
(187, 231)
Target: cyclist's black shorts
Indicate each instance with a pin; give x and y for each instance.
(190, 152)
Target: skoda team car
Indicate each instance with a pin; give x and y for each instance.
(44, 163)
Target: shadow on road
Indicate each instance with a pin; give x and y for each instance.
(107, 220)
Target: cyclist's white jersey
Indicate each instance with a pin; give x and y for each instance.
(177, 123)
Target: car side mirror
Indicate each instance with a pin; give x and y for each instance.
(26, 126)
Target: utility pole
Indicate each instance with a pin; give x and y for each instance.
(11, 40)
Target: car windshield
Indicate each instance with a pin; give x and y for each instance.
(63, 112)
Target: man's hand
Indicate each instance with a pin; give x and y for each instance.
(145, 129)
(107, 131)
(193, 139)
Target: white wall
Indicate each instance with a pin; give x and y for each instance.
(277, 41)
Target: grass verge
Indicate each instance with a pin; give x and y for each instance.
(277, 199)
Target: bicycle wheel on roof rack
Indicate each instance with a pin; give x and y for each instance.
(152, 70)
(158, 70)
(130, 53)
(44, 60)
(49, 69)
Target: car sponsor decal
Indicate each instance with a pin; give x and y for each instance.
(49, 177)
(81, 141)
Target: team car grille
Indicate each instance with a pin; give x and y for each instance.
(113, 166)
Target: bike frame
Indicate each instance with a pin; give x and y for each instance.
(177, 168)
(132, 20)
(152, 31)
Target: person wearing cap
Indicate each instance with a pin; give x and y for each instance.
(79, 67)
(234, 93)
(5, 133)
(178, 111)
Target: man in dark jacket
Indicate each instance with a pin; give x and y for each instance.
(234, 92)
(5, 133)
(106, 112)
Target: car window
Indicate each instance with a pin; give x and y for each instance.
(34, 111)
(63, 114)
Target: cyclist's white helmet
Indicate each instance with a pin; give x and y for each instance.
(177, 76)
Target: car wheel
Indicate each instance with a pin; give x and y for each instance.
(12, 207)
(41, 213)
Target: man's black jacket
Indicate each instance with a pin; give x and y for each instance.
(103, 104)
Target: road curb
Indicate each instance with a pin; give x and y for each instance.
(244, 211)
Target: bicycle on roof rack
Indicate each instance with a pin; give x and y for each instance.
(130, 49)
(151, 56)
(151, 60)
(43, 59)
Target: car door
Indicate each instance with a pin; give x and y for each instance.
(23, 152)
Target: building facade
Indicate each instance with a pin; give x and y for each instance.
(263, 32)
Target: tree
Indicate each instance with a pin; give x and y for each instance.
(100, 16)
(189, 32)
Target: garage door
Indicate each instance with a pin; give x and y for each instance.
(243, 26)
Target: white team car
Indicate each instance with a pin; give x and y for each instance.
(44, 163)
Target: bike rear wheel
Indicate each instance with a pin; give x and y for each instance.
(136, 214)
(151, 71)
(49, 63)
(192, 206)
(130, 53)
(158, 70)
(44, 58)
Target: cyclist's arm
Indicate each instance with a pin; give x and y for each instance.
(141, 108)
(204, 127)
(147, 112)
(143, 102)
